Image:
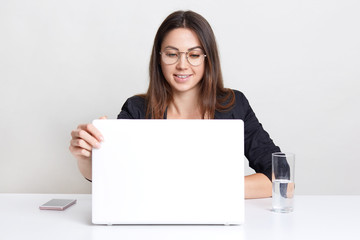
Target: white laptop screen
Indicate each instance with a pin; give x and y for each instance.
(169, 172)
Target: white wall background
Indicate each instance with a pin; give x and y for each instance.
(67, 62)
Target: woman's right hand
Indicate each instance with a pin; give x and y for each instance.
(83, 140)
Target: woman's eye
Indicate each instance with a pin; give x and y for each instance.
(194, 55)
(171, 55)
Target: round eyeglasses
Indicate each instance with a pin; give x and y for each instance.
(194, 57)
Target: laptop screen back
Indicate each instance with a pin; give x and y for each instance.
(168, 172)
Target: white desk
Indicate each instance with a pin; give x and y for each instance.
(315, 217)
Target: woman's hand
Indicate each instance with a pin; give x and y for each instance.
(83, 140)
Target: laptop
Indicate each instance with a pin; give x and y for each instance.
(169, 172)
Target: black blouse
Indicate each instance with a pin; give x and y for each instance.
(258, 144)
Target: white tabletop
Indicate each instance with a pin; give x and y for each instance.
(314, 217)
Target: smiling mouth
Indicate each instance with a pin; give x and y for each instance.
(182, 76)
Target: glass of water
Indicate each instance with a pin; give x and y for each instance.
(283, 184)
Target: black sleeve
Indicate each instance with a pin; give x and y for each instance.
(258, 144)
(133, 108)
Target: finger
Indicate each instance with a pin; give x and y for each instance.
(80, 152)
(86, 136)
(91, 130)
(103, 117)
(80, 143)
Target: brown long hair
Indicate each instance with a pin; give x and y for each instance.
(213, 95)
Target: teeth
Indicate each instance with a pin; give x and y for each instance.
(182, 76)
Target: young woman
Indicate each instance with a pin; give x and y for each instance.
(186, 83)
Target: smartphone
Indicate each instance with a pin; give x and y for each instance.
(58, 204)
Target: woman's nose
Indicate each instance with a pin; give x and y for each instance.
(182, 62)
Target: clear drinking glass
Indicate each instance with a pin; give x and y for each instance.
(283, 182)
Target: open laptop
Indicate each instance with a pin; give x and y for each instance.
(169, 172)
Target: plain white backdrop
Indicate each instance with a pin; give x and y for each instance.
(63, 63)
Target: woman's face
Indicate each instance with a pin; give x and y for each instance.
(182, 76)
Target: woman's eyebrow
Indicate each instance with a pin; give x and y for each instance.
(194, 48)
(171, 47)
